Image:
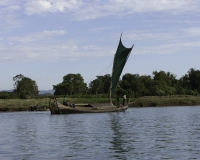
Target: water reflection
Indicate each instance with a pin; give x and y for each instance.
(139, 133)
(25, 132)
(119, 140)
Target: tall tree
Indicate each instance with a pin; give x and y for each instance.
(106, 80)
(167, 77)
(96, 86)
(25, 86)
(101, 84)
(135, 83)
(165, 82)
(191, 81)
(72, 84)
(194, 79)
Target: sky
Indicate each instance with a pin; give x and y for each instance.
(48, 39)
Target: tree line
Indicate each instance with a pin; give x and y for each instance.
(133, 85)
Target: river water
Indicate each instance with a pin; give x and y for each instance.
(139, 133)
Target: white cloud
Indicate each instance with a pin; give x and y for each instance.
(174, 35)
(168, 48)
(52, 33)
(73, 51)
(36, 36)
(84, 10)
(52, 6)
(38, 7)
(8, 10)
(7, 2)
(8, 17)
(46, 47)
(100, 29)
(164, 41)
(51, 51)
(12, 8)
(194, 32)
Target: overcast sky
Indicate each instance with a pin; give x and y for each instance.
(48, 39)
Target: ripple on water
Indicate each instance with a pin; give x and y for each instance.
(139, 133)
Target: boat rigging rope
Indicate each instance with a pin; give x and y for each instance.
(108, 68)
(102, 71)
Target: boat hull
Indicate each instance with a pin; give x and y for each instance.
(85, 108)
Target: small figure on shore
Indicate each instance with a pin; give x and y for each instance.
(124, 100)
(36, 107)
(31, 108)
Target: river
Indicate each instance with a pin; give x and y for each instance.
(139, 133)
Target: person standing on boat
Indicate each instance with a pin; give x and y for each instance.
(117, 101)
(124, 100)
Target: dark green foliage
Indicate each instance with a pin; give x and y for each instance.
(72, 84)
(100, 85)
(161, 84)
(25, 87)
(8, 95)
(96, 86)
(136, 84)
(194, 79)
(191, 82)
(133, 85)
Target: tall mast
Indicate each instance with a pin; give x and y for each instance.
(110, 98)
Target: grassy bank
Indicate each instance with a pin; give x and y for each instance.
(153, 101)
(24, 105)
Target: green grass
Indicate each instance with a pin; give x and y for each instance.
(23, 103)
(19, 104)
(166, 101)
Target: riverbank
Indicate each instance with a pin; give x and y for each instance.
(13, 105)
(155, 101)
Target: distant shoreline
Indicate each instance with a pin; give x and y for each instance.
(20, 109)
(15, 105)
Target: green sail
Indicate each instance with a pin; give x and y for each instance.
(120, 59)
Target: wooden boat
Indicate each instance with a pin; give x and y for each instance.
(57, 108)
(120, 59)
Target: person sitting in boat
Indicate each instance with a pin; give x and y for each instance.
(65, 101)
(124, 100)
(72, 105)
(36, 107)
